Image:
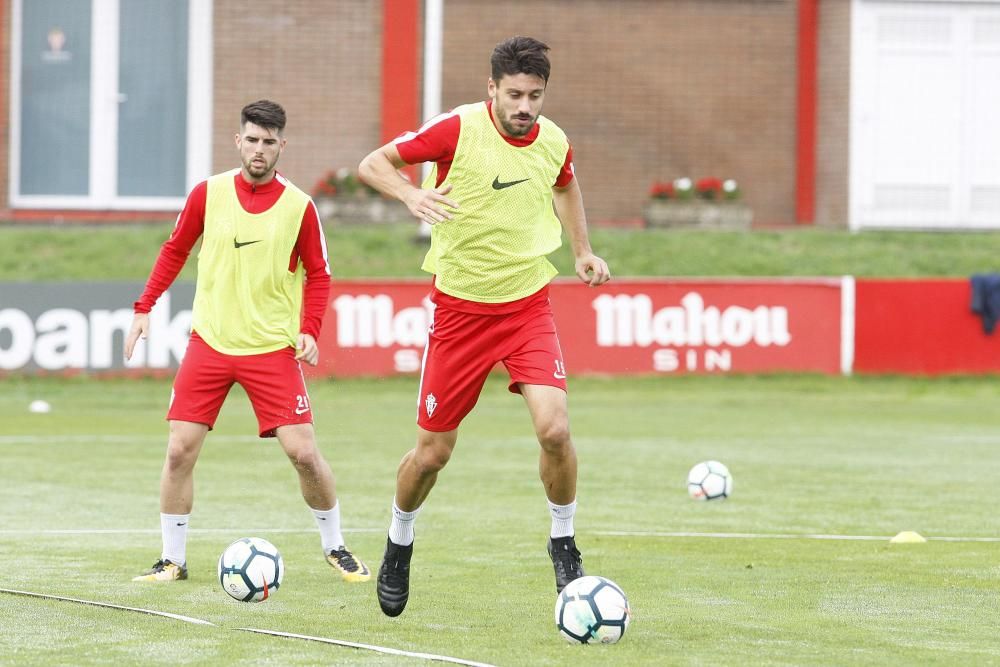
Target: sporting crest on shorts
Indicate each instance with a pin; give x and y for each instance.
(430, 403)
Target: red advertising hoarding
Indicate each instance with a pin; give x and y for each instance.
(923, 327)
(625, 327)
(637, 326)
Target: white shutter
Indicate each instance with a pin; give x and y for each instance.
(925, 141)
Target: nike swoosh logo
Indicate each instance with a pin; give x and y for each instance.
(240, 245)
(497, 185)
(301, 411)
(559, 376)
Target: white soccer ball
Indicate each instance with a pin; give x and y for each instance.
(710, 480)
(592, 610)
(251, 569)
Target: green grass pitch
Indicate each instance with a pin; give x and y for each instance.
(810, 456)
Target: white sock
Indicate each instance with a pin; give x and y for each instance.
(401, 528)
(174, 528)
(562, 519)
(329, 528)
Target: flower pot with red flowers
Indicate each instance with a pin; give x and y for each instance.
(341, 197)
(708, 203)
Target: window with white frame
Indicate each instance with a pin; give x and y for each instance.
(109, 101)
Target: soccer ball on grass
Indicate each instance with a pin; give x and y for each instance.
(710, 480)
(592, 610)
(251, 569)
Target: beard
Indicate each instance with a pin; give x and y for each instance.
(506, 122)
(257, 169)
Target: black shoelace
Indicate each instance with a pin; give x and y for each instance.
(345, 558)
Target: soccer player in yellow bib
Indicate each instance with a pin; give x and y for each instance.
(263, 288)
(499, 167)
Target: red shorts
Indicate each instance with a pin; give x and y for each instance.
(273, 381)
(462, 349)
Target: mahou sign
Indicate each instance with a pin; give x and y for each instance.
(626, 326)
(379, 328)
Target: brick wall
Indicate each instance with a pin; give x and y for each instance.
(321, 61)
(652, 90)
(646, 89)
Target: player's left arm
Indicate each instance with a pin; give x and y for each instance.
(310, 247)
(568, 202)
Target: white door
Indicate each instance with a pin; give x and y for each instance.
(925, 99)
(109, 101)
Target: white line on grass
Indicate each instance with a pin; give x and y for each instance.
(611, 533)
(780, 536)
(78, 438)
(152, 612)
(274, 633)
(369, 647)
(156, 531)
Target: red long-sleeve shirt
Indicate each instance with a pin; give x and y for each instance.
(310, 248)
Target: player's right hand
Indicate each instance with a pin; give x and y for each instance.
(140, 327)
(592, 270)
(431, 206)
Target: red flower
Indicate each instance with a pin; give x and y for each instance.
(709, 188)
(324, 188)
(661, 190)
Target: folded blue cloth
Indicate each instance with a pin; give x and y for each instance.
(986, 298)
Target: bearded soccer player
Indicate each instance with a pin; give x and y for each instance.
(262, 263)
(499, 168)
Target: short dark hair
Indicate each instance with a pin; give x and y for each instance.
(520, 55)
(264, 113)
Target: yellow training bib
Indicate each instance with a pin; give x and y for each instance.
(246, 300)
(494, 249)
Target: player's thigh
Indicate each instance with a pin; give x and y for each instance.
(461, 351)
(434, 448)
(549, 412)
(298, 442)
(545, 402)
(186, 438)
(201, 385)
(532, 353)
(276, 388)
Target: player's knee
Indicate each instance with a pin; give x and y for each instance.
(181, 454)
(304, 457)
(554, 437)
(430, 459)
